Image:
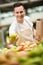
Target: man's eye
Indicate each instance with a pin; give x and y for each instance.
(21, 11)
(17, 12)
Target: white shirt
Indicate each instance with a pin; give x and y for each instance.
(24, 30)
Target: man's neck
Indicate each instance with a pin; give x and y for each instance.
(21, 22)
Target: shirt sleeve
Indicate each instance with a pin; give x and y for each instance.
(12, 29)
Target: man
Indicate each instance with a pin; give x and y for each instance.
(22, 24)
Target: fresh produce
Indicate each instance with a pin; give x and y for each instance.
(25, 54)
(34, 57)
(13, 36)
(11, 39)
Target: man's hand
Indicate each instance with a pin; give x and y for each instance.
(11, 40)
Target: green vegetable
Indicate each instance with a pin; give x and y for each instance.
(13, 36)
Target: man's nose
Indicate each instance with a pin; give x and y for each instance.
(19, 14)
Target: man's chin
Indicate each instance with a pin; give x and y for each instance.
(20, 21)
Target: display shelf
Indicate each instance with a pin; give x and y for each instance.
(11, 3)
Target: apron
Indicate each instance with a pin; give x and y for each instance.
(24, 35)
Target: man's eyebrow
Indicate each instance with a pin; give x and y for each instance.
(21, 11)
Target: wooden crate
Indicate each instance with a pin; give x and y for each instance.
(39, 29)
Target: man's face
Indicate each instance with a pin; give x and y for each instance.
(19, 12)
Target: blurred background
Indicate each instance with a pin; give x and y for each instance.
(34, 9)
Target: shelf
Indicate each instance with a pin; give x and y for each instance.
(11, 3)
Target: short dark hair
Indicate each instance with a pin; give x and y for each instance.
(17, 5)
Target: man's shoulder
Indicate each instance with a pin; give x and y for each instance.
(28, 20)
(26, 17)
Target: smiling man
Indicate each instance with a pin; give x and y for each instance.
(22, 24)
